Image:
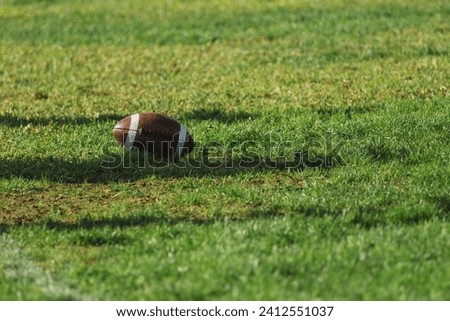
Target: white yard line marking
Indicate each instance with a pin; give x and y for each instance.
(17, 267)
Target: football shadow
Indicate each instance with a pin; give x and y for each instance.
(127, 167)
(201, 114)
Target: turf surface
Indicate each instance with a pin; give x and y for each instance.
(322, 162)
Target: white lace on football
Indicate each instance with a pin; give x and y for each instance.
(134, 123)
(181, 140)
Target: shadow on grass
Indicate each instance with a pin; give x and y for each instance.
(17, 121)
(109, 230)
(202, 114)
(442, 203)
(326, 113)
(4, 228)
(140, 219)
(92, 171)
(96, 225)
(219, 114)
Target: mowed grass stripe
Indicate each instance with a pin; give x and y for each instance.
(89, 83)
(196, 23)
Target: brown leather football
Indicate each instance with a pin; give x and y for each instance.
(154, 133)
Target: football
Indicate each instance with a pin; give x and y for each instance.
(154, 133)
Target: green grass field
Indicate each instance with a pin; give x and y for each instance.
(355, 91)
